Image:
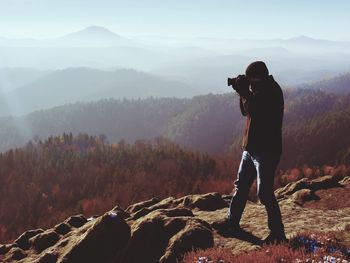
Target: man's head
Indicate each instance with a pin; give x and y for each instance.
(256, 73)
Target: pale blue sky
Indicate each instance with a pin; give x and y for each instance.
(254, 19)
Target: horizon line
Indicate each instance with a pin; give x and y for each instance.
(174, 36)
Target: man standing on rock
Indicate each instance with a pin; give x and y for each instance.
(261, 101)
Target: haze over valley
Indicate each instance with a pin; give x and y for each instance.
(47, 83)
(96, 63)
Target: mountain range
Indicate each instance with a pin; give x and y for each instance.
(25, 90)
(209, 123)
(199, 62)
(106, 37)
(70, 85)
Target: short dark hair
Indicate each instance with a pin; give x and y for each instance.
(257, 70)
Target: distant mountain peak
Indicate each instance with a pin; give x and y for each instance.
(93, 31)
(306, 39)
(97, 29)
(302, 38)
(96, 36)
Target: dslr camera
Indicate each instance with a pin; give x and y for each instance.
(243, 87)
(231, 82)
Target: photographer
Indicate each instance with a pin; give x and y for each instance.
(261, 101)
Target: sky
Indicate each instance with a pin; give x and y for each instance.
(254, 19)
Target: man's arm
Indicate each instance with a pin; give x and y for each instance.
(243, 104)
(242, 88)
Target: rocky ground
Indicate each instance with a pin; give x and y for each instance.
(163, 230)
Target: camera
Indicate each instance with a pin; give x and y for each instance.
(242, 86)
(231, 82)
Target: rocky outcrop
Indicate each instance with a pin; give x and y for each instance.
(345, 181)
(101, 242)
(166, 234)
(23, 240)
(138, 206)
(302, 196)
(164, 230)
(151, 231)
(44, 240)
(304, 189)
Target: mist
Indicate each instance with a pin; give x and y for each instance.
(96, 63)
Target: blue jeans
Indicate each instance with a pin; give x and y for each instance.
(261, 166)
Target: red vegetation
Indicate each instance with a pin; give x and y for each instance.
(270, 254)
(47, 181)
(305, 247)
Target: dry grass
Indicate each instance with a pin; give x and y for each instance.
(304, 247)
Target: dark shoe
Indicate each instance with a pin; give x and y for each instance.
(275, 238)
(226, 227)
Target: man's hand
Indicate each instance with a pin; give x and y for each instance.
(242, 86)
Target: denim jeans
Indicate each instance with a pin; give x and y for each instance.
(261, 166)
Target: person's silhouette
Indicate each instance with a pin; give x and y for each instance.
(261, 101)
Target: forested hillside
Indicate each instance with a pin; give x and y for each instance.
(47, 181)
(339, 84)
(209, 123)
(314, 128)
(141, 148)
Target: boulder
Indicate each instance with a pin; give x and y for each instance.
(171, 212)
(101, 242)
(138, 206)
(303, 195)
(167, 203)
(23, 240)
(176, 212)
(291, 188)
(148, 240)
(44, 240)
(206, 202)
(152, 233)
(48, 258)
(15, 253)
(142, 212)
(76, 221)
(121, 212)
(6, 248)
(196, 234)
(323, 182)
(345, 180)
(62, 228)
